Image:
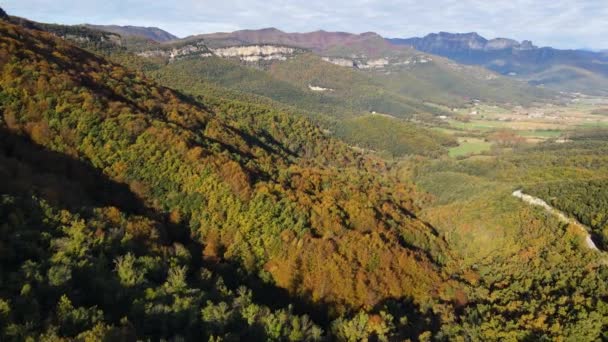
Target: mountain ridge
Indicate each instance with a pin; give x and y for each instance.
(470, 40)
(523, 60)
(247, 194)
(153, 33)
(318, 41)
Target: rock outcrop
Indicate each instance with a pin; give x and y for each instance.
(256, 53)
(378, 63)
(197, 49)
(246, 53)
(345, 62)
(318, 88)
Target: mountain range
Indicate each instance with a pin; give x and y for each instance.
(562, 70)
(566, 70)
(583, 71)
(336, 76)
(573, 71)
(323, 42)
(269, 186)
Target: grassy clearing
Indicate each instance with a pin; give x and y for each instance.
(444, 130)
(469, 146)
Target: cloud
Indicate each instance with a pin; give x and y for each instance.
(560, 23)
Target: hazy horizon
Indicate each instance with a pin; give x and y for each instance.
(559, 24)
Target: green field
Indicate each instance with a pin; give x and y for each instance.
(550, 133)
(469, 146)
(593, 124)
(477, 125)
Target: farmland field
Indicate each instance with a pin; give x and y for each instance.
(469, 146)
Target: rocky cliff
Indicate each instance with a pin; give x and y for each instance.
(255, 53)
(361, 62)
(244, 53)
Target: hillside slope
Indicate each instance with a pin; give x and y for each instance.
(313, 219)
(152, 33)
(318, 41)
(537, 277)
(346, 93)
(340, 111)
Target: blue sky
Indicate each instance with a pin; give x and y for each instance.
(559, 23)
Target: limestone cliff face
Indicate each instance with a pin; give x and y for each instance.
(379, 63)
(374, 63)
(256, 53)
(340, 61)
(318, 88)
(249, 53)
(197, 49)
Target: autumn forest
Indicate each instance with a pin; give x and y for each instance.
(144, 198)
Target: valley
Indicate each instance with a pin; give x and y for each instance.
(539, 202)
(479, 127)
(275, 186)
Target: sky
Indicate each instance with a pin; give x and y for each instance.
(557, 23)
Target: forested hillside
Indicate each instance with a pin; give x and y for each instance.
(587, 201)
(345, 117)
(579, 189)
(535, 277)
(146, 197)
(252, 195)
(349, 93)
(82, 257)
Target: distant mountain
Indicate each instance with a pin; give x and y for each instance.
(401, 70)
(85, 37)
(345, 49)
(398, 80)
(98, 38)
(152, 33)
(443, 42)
(317, 41)
(567, 70)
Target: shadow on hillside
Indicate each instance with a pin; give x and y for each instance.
(69, 183)
(66, 182)
(58, 178)
(268, 294)
(417, 321)
(323, 313)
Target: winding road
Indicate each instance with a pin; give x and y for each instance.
(562, 217)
